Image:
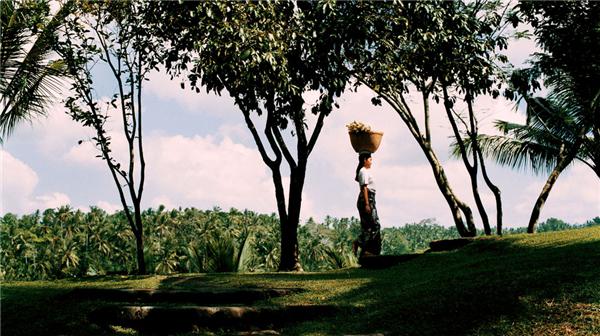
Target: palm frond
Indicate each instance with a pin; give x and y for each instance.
(13, 38)
(519, 153)
(30, 77)
(529, 133)
(554, 117)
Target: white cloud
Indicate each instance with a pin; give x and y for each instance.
(56, 133)
(169, 90)
(109, 207)
(86, 153)
(203, 172)
(19, 182)
(52, 200)
(162, 200)
(236, 132)
(83, 154)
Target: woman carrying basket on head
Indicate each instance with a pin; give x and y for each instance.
(369, 239)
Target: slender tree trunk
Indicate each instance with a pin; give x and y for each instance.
(288, 224)
(139, 246)
(139, 241)
(472, 168)
(495, 190)
(480, 207)
(290, 259)
(128, 68)
(456, 206)
(563, 162)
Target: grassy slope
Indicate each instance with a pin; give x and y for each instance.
(544, 284)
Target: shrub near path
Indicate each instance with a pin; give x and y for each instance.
(543, 284)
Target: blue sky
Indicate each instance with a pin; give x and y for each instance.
(200, 154)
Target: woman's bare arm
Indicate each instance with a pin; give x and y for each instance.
(365, 192)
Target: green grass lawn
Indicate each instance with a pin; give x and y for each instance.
(543, 284)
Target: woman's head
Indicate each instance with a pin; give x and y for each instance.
(364, 160)
(362, 157)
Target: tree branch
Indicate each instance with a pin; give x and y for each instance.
(410, 116)
(401, 110)
(117, 73)
(425, 96)
(316, 132)
(459, 140)
(257, 139)
(140, 81)
(273, 133)
(283, 146)
(86, 94)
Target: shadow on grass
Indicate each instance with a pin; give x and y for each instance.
(109, 278)
(43, 311)
(257, 279)
(45, 307)
(467, 291)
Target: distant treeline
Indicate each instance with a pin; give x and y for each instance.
(64, 242)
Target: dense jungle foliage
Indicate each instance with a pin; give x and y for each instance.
(64, 242)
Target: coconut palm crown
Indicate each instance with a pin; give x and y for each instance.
(555, 125)
(29, 74)
(560, 129)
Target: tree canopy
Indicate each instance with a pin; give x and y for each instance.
(266, 56)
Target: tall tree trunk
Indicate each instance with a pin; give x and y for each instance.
(472, 168)
(141, 261)
(563, 162)
(456, 206)
(480, 207)
(139, 241)
(290, 259)
(495, 190)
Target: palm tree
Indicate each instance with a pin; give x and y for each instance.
(29, 76)
(558, 132)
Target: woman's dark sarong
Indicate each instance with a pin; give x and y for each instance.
(370, 236)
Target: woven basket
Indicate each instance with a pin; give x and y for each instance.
(365, 142)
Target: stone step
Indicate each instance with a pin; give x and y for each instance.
(384, 261)
(202, 296)
(164, 320)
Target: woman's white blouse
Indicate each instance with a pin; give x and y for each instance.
(365, 177)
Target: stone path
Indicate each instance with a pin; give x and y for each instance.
(169, 319)
(199, 296)
(449, 244)
(164, 312)
(385, 261)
